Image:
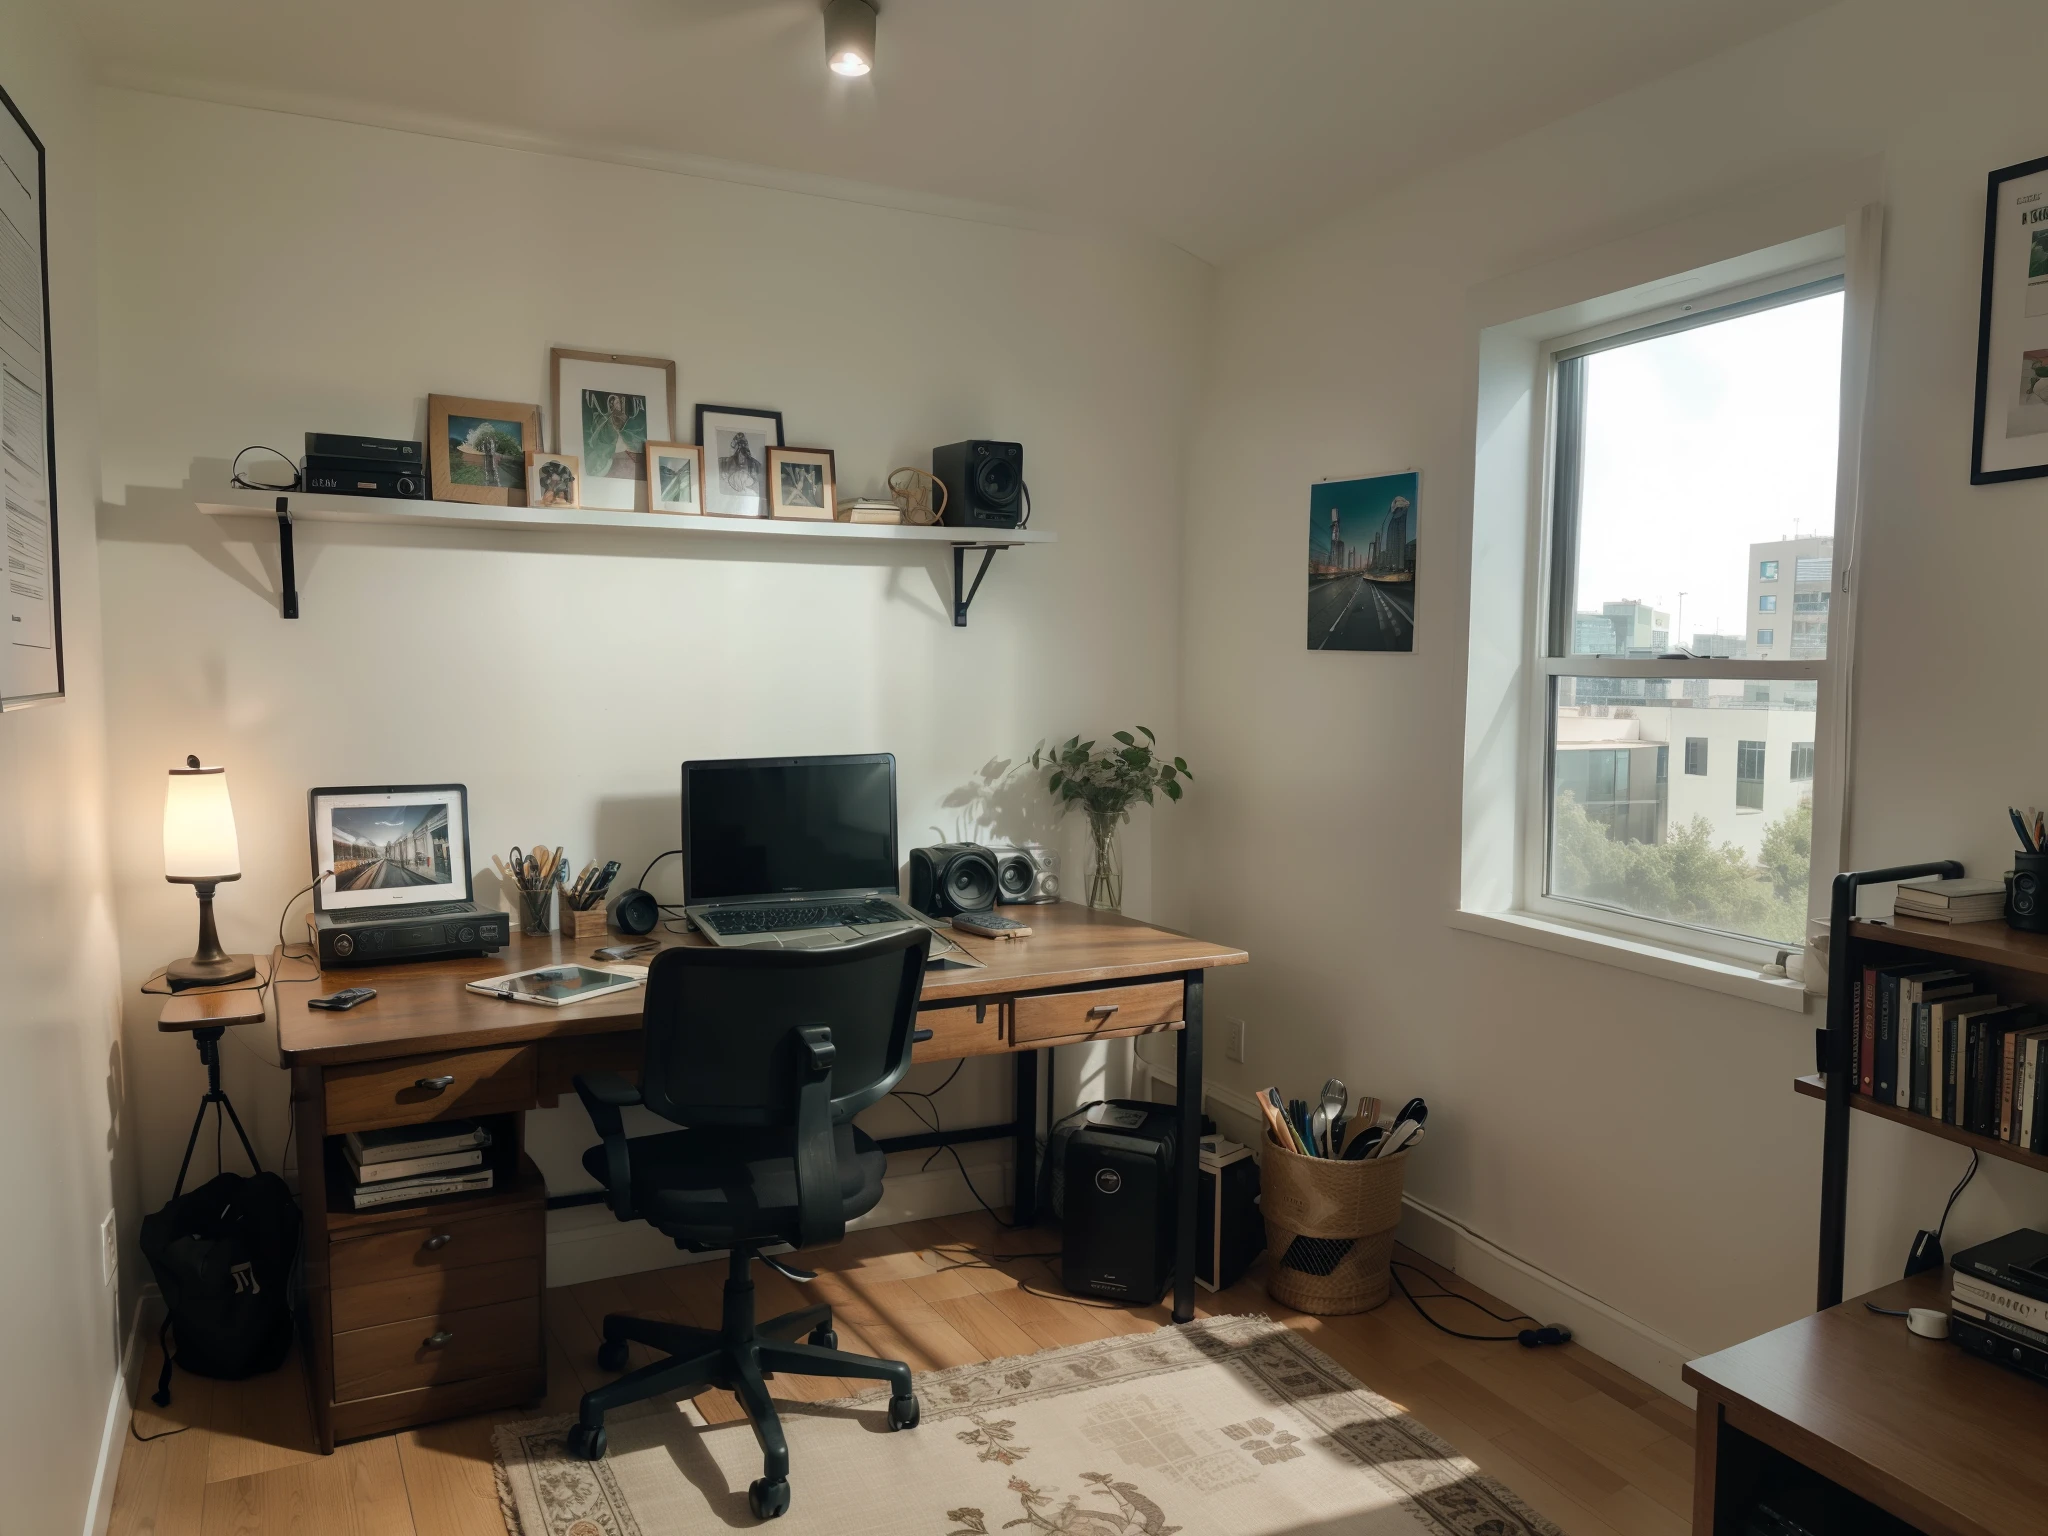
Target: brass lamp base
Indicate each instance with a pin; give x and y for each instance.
(195, 972)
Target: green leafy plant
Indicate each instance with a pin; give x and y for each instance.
(1106, 783)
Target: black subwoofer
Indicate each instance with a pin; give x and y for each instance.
(984, 483)
(952, 877)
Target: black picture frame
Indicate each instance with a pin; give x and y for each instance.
(738, 410)
(56, 574)
(716, 504)
(1995, 183)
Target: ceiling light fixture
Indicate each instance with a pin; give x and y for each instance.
(850, 36)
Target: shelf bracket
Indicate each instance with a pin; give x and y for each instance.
(288, 598)
(961, 601)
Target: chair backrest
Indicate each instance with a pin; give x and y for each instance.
(721, 1026)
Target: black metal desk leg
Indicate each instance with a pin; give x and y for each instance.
(1187, 1076)
(1024, 1202)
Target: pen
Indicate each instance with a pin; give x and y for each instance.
(2019, 826)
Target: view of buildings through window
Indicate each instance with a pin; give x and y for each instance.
(1704, 531)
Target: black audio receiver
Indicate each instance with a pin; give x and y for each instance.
(379, 938)
(363, 477)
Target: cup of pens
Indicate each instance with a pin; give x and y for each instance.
(532, 877)
(583, 912)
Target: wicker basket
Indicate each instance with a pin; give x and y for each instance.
(1329, 1229)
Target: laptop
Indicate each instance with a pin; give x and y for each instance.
(797, 852)
(392, 850)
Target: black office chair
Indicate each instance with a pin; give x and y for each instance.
(766, 1055)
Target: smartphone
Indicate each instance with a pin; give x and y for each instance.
(621, 951)
(341, 1002)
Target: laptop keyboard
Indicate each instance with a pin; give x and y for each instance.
(429, 909)
(818, 914)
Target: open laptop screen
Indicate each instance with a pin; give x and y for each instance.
(786, 826)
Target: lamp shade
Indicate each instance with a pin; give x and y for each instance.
(199, 827)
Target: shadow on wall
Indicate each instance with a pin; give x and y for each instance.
(1005, 802)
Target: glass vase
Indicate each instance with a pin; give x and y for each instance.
(1106, 877)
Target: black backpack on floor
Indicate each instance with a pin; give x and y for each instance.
(222, 1257)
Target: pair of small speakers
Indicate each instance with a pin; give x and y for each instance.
(971, 877)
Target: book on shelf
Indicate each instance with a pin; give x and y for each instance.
(868, 509)
(1916, 1041)
(1940, 1046)
(1951, 901)
(405, 1141)
(1885, 1070)
(423, 1187)
(409, 1167)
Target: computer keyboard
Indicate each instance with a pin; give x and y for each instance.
(819, 914)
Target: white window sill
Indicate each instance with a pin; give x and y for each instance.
(1636, 955)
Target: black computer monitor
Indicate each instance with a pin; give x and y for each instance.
(786, 826)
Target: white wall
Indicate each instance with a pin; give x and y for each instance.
(1633, 1138)
(264, 274)
(63, 1082)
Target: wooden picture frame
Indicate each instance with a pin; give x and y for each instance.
(608, 406)
(31, 574)
(2009, 440)
(491, 464)
(736, 489)
(552, 479)
(803, 483)
(668, 466)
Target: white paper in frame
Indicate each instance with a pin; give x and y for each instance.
(608, 407)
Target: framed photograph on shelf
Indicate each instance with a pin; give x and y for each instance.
(551, 479)
(476, 449)
(736, 443)
(2011, 441)
(675, 477)
(801, 483)
(608, 407)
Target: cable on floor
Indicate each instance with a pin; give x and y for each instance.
(1531, 1337)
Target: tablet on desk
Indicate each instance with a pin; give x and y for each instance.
(555, 986)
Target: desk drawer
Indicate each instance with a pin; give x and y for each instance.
(1077, 1015)
(421, 1088)
(434, 1292)
(474, 1341)
(437, 1245)
(961, 1029)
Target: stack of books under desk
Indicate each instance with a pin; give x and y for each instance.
(416, 1162)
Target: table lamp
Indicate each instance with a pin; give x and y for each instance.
(200, 850)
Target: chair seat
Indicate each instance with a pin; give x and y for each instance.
(725, 1182)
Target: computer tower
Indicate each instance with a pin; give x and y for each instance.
(1112, 1182)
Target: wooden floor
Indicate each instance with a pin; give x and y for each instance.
(1590, 1446)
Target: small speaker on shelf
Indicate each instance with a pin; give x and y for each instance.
(633, 912)
(952, 877)
(1026, 873)
(984, 483)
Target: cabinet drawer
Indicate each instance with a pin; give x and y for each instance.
(1077, 1015)
(396, 1357)
(960, 1029)
(434, 1292)
(420, 1088)
(431, 1246)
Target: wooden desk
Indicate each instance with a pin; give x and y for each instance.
(468, 1269)
(1951, 1444)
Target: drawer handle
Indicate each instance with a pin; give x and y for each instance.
(436, 1084)
(438, 1339)
(1103, 1010)
(438, 1241)
(919, 1036)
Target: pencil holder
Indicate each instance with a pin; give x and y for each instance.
(536, 911)
(2026, 893)
(586, 924)
(1329, 1229)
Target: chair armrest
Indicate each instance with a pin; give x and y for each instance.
(820, 1214)
(604, 1094)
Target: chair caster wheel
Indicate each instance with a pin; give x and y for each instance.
(586, 1443)
(768, 1500)
(903, 1413)
(613, 1354)
(824, 1338)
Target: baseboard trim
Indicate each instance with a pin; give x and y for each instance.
(1607, 1331)
(587, 1242)
(106, 1472)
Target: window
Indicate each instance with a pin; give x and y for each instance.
(1810, 602)
(1741, 394)
(1816, 570)
(1749, 775)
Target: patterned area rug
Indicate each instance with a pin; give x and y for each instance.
(1229, 1426)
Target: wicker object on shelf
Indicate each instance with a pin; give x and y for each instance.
(1329, 1229)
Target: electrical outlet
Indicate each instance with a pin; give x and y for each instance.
(1233, 1040)
(109, 1254)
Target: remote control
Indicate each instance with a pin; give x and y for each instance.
(340, 1002)
(991, 926)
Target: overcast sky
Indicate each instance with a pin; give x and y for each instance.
(1699, 444)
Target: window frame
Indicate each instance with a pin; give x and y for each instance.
(1553, 577)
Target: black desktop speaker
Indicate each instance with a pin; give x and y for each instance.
(633, 912)
(1112, 1188)
(2026, 893)
(952, 877)
(984, 483)
(1026, 873)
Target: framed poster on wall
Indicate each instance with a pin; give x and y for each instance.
(32, 650)
(2011, 441)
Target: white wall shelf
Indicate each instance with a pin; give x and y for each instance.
(290, 507)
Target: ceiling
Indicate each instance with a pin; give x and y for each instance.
(1217, 125)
